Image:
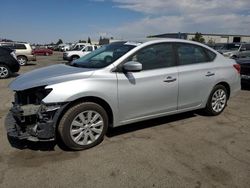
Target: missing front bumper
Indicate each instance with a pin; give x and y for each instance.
(33, 122)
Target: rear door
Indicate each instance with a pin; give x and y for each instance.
(197, 74)
(152, 91)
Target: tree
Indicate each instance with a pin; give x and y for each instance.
(59, 42)
(82, 41)
(198, 38)
(103, 41)
(211, 41)
(89, 40)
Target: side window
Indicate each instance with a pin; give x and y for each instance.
(89, 49)
(191, 54)
(19, 46)
(210, 54)
(155, 56)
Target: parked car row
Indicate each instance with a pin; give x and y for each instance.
(8, 62)
(42, 51)
(233, 50)
(23, 51)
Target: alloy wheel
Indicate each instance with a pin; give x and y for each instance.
(4, 72)
(86, 127)
(219, 100)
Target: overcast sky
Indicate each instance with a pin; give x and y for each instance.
(46, 21)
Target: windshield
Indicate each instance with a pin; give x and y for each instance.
(77, 47)
(103, 56)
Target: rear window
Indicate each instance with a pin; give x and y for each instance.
(20, 46)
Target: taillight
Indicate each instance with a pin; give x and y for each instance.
(32, 52)
(237, 67)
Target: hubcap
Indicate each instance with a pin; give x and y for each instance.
(86, 127)
(22, 61)
(3, 72)
(219, 100)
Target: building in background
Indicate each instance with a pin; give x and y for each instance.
(214, 38)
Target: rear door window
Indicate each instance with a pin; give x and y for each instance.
(191, 54)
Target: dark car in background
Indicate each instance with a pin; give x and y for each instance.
(23, 51)
(245, 70)
(8, 62)
(42, 51)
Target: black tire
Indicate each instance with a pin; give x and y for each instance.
(74, 57)
(4, 71)
(22, 60)
(209, 110)
(64, 126)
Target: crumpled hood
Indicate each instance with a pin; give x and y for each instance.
(49, 75)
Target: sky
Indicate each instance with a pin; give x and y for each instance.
(45, 21)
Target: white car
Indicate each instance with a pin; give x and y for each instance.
(142, 81)
(76, 54)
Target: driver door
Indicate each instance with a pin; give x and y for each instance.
(153, 91)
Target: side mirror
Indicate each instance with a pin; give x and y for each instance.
(132, 66)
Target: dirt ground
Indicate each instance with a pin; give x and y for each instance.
(186, 150)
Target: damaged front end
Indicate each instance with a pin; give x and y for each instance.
(33, 119)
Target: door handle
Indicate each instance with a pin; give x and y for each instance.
(169, 79)
(210, 74)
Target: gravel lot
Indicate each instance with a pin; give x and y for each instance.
(186, 150)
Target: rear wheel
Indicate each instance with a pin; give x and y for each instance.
(217, 100)
(83, 126)
(22, 60)
(4, 71)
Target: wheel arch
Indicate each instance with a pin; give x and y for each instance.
(227, 86)
(96, 100)
(74, 55)
(22, 56)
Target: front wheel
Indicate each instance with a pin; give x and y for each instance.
(4, 71)
(83, 126)
(217, 100)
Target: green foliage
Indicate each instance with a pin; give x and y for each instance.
(82, 41)
(89, 40)
(198, 38)
(103, 41)
(59, 42)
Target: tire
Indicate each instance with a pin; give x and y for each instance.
(22, 60)
(219, 94)
(74, 57)
(76, 128)
(4, 71)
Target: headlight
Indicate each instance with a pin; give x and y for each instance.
(31, 96)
